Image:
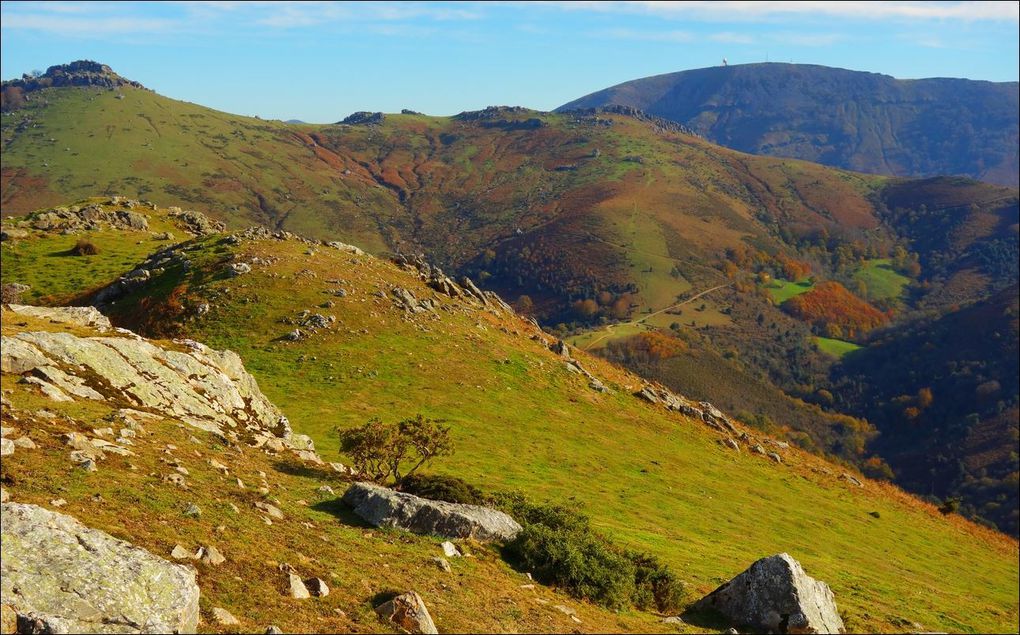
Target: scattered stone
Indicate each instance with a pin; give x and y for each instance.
(180, 553)
(193, 511)
(273, 630)
(58, 502)
(84, 461)
(317, 587)
(68, 578)
(775, 457)
(673, 620)
(272, 510)
(210, 555)
(408, 612)
(326, 490)
(239, 269)
(730, 443)
(851, 479)
(222, 617)
(216, 465)
(6, 447)
(775, 595)
(450, 549)
(757, 449)
(298, 591)
(443, 564)
(566, 610)
(383, 507)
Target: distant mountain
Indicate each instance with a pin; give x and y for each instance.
(861, 121)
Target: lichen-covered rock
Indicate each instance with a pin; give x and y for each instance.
(80, 315)
(384, 507)
(200, 386)
(408, 613)
(60, 576)
(774, 595)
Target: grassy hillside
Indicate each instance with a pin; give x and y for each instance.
(130, 498)
(600, 226)
(860, 121)
(521, 420)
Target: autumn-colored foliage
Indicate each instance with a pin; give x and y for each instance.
(645, 347)
(834, 310)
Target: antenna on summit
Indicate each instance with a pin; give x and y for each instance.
(724, 62)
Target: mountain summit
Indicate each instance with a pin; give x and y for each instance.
(862, 121)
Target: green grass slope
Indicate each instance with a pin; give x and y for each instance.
(653, 480)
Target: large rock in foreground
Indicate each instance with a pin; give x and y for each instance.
(202, 387)
(62, 577)
(775, 596)
(384, 507)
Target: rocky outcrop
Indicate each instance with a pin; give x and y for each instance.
(384, 507)
(202, 387)
(80, 315)
(774, 595)
(408, 613)
(86, 218)
(79, 73)
(63, 577)
(364, 118)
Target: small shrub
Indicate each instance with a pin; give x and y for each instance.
(558, 546)
(655, 585)
(380, 450)
(85, 247)
(443, 488)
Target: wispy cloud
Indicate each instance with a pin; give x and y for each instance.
(729, 37)
(647, 36)
(763, 10)
(100, 19)
(99, 26)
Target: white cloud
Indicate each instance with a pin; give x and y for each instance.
(88, 26)
(647, 36)
(763, 10)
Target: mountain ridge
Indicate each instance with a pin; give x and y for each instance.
(858, 120)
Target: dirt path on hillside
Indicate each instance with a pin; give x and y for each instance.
(610, 327)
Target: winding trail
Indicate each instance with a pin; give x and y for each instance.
(609, 328)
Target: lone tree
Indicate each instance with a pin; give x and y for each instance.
(380, 451)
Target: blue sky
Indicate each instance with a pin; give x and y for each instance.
(320, 61)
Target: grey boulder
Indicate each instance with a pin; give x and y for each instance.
(63, 577)
(408, 613)
(774, 595)
(384, 507)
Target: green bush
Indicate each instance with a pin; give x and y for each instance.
(583, 563)
(558, 546)
(443, 488)
(655, 585)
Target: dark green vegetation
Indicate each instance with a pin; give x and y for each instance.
(559, 546)
(860, 121)
(943, 391)
(649, 480)
(601, 226)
